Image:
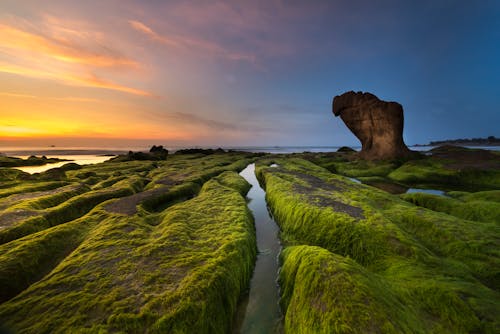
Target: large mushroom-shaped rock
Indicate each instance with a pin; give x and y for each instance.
(377, 124)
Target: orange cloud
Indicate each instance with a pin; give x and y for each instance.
(62, 54)
(94, 81)
(71, 79)
(63, 50)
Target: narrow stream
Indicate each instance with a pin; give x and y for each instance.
(260, 312)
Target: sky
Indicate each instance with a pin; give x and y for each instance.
(242, 73)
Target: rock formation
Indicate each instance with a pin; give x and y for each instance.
(377, 124)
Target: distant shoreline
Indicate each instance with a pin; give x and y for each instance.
(489, 141)
(61, 151)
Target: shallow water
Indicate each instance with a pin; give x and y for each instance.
(354, 180)
(427, 191)
(78, 159)
(260, 312)
(397, 189)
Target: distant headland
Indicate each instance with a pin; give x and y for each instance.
(488, 141)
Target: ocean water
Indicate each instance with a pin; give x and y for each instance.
(81, 159)
(74, 150)
(91, 155)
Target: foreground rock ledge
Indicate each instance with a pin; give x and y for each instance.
(377, 124)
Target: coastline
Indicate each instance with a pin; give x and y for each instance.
(63, 151)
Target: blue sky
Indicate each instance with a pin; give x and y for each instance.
(243, 72)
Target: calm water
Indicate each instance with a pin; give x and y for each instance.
(261, 313)
(397, 189)
(426, 191)
(52, 151)
(79, 159)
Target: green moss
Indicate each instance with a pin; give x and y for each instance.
(52, 199)
(447, 169)
(31, 186)
(184, 274)
(433, 171)
(327, 293)
(443, 269)
(108, 182)
(489, 196)
(159, 202)
(424, 171)
(12, 174)
(365, 168)
(26, 260)
(234, 181)
(471, 209)
(73, 208)
(364, 260)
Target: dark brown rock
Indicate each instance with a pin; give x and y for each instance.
(377, 124)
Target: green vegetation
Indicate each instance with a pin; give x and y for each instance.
(167, 244)
(27, 187)
(11, 174)
(26, 260)
(468, 207)
(446, 168)
(490, 196)
(328, 293)
(434, 172)
(132, 246)
(360, 259)
(71, 209)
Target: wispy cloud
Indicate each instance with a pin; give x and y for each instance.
(191, 119)
(19, 95)
(63, 50)
(94, 81)
(200, 46)
(89, 80)
(141, 27)
(63, 98)
(62, 54)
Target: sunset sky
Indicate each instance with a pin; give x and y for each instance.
(229, 73)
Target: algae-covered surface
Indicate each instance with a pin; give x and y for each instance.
(130, 247)
(169, 246)
(361, 260)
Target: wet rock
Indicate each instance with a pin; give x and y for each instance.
(377, 124)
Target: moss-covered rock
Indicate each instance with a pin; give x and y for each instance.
(80, 267)
(411, 269)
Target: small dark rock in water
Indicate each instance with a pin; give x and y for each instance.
(346, 149)
(155, 153)
(377, 124)
(158, 149)
(159, 152)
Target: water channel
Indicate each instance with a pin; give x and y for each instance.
(260, 311)
(77, 159)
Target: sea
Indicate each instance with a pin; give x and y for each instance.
(93, 155)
